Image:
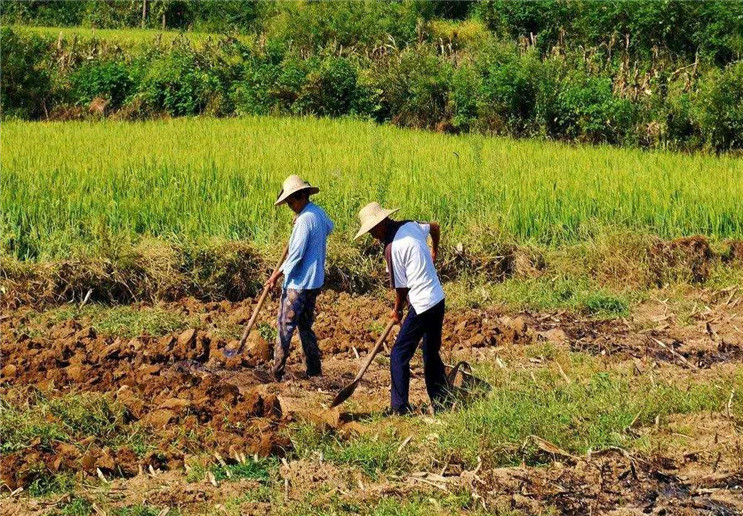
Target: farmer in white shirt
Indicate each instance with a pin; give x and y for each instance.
(304, 274)
(413, 276)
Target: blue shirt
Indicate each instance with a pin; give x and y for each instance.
(304, 267)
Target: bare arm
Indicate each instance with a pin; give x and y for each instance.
(401, 299)
(274, 279)
(435, 238)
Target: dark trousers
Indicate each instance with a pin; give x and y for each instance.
(297, 310)
(427, 326)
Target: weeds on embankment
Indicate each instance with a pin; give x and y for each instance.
(601, 276)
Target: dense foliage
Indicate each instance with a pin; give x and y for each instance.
(655, 74)
(683, 27)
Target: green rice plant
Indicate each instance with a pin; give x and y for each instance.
(73, 183)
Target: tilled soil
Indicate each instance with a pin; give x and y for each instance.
(183, 383)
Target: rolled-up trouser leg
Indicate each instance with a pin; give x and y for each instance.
(296, 309)
(307, 335)
(286, 324)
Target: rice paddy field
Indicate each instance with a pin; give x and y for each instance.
(593, 335)
(605, 350)
(74, 183)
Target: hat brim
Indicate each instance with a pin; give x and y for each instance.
(283, 196)
(369, 225)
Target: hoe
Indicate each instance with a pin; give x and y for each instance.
(348, 390)
(229, 353)
(469, 383)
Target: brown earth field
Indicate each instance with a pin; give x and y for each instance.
(179, 429)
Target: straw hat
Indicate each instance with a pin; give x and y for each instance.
(294, 184)
(371, 215)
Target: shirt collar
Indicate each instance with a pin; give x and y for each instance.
(305, 208)
(392, 229)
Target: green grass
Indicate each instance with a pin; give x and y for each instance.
(262, 469)
(75, 507)
(434, 503)
(59, 419)
(548, 292)
(253, 470)
(594, 411)
(138, 510)
(372, 454)
(18, 429)
(121, 37)
(73, 183)
(47, 483)
(69, 418)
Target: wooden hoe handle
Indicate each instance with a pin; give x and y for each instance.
(261, 300)
(375, 350)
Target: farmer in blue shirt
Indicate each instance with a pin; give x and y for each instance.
(304, 274)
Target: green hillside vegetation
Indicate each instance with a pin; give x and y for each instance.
(660, 74)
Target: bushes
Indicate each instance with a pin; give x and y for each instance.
(721, 103)
(323, 87)
(680, 27)
(314, 25)
(330, 89)
(509, 94)
(26, 82)
(40, 12)
(414, 88)
(221, 15)
(495, 87)
(175, 85)
(251, 95)
(108, 79)
(465, 85)
(586, 110)
(179, 84)
(681, 130)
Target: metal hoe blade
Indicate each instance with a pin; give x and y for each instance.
(349, 389)
(345, 393)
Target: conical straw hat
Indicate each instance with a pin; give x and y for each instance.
(293, 184)
(371, 215)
